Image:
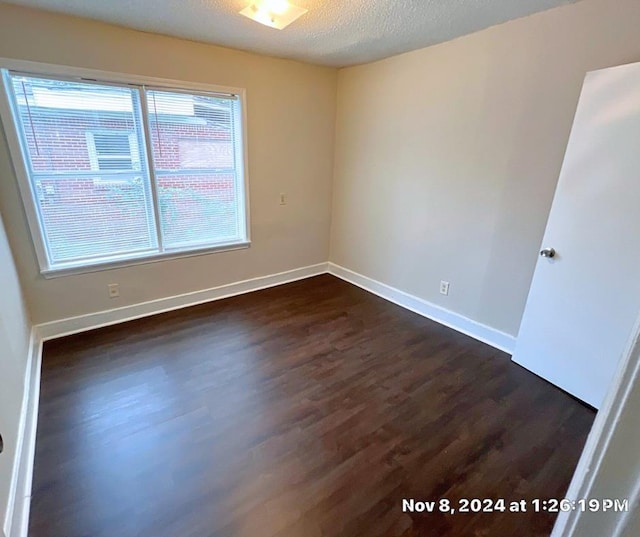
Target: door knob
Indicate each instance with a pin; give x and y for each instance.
(548, 253)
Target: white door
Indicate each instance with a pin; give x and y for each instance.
(584, 300)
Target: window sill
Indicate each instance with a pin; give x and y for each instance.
(71, 270)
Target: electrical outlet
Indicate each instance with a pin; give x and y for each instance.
(283, 199)
(444, 288)
(114, 290)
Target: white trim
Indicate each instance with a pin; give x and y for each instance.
(19, 157)
(627, 377)
(17, 516)
(141, 259)
(73, 325)
(97, 75)
(625, 519)
(18, 162)
(13, 485)
(145, 134)
(16, 523)
(588, 470)
(244, 164)
(500, 340)
(16, 520)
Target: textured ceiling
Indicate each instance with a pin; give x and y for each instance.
(334, 32)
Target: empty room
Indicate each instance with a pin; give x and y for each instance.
(314, 268)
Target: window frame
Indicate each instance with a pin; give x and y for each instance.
(18, 153)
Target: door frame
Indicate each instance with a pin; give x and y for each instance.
(589, 471)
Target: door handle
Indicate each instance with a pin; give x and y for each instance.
(549, 253)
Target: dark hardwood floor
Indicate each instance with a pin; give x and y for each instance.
(306, 410)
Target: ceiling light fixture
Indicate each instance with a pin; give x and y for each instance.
(274, 13)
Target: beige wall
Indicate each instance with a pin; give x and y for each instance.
(447, 157)
(14, 348)
(446, 160)
(291, 124)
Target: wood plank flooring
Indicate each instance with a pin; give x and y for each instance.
(306, 410)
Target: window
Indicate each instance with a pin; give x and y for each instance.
(113, 150)
(118, 172)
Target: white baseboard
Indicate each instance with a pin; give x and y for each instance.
(17, 518)
(486, 334)
(17, 521)
(82, 323)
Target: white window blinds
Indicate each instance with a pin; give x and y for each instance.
(193, 139)
(122, 171)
